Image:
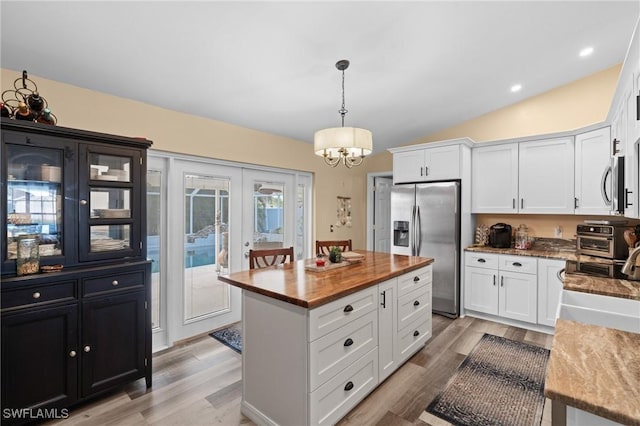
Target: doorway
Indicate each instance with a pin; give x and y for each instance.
(379, 211)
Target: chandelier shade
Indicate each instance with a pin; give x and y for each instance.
(347, 145)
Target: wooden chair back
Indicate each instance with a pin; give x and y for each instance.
(269, 257)
(324, 246)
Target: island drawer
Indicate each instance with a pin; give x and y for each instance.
(37, 295)
(333, 315)
(331, 401)
(113, 282)
(414, 279)
(337, 350)
(413, 337)
(413, 305)
(481, 260)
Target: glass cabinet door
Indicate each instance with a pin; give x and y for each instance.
(34, 198)
(108, 204)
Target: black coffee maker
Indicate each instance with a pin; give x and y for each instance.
(500, 235)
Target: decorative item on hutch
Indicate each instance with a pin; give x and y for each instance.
(24, 102)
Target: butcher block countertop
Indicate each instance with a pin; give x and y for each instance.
(595, 369)
(292, 283)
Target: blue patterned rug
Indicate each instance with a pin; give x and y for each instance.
(500, 382)
(230, 336)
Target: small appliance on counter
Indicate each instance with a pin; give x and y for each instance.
(500, 235)
(602, 239)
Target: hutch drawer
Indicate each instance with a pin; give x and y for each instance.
(113, 282)
(39, 294)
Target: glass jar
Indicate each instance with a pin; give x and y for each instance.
(522, 238)
(28, 258)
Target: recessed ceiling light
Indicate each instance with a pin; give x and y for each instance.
(516, 87)
(586, 51)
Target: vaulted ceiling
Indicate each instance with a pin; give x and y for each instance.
(416, 67)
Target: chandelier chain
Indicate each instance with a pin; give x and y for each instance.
(343, 111)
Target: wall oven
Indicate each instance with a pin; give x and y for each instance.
(605, 241)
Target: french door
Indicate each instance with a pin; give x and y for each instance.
(269, 211)
(202, 219)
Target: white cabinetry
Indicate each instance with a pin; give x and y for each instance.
(494, 179)
(404, 318)
(427, 164)
(546, 176)
(593, 172)
(387, 326)
(549, 290)
(321, 362)
(501, 285)
(525, 177)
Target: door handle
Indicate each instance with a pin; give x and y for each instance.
(501, 281)
(614, 145)
(384, 299)
(626, 198)
(513, 203)
(603, 186)
(419, 232)
(494, 280)
(575, 203)
(522, 203)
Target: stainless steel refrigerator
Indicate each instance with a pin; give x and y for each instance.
(425, 221)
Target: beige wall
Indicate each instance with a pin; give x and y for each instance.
(177, 132)
(573, 106)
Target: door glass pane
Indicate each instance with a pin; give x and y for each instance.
(206, 212)
(109, 237)
(154, 227)
(268, 218)
(34, 198)
(110, 167)
(300, 224)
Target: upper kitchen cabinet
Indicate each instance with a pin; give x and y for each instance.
(624, 117)
(494, 171)
(526, 177)
(593, 179)
(546, 176)
(429, 162)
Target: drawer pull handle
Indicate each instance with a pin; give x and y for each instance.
(518, 264)
(348, 342)
(494, 279)
(416, 279)
(36, 295)
(83, 202)
(501, 281)
(416, 333)
(114, 282)
(481, 260)
(348, 386)
(416, 303)
(72, 354)
(87, 348)
(348, 308)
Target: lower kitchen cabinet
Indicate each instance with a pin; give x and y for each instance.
(549, 290)
(501, 285)
(325, 360)
(71, 335)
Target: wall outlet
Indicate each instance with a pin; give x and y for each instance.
(558, 231)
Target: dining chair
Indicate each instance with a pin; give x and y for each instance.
(269, 257)
(323, 247)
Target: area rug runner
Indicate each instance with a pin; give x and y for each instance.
(230, 336)
(501, 382)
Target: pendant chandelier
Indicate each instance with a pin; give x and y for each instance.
(346, 145)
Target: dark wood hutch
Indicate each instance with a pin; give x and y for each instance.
(71, 334)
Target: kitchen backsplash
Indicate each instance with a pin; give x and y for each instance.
(545, 226)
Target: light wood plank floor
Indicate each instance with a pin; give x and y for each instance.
(199, 383)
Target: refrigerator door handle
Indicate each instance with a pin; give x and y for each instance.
(413, 230)
(418, 232)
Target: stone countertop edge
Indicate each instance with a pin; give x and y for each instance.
(595, 369)
(546, 253)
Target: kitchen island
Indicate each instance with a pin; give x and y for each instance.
(315, 343)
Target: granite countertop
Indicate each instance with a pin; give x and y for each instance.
(604, 286)
(550, 248)
(595, 369)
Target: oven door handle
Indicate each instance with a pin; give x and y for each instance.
(603, 186)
